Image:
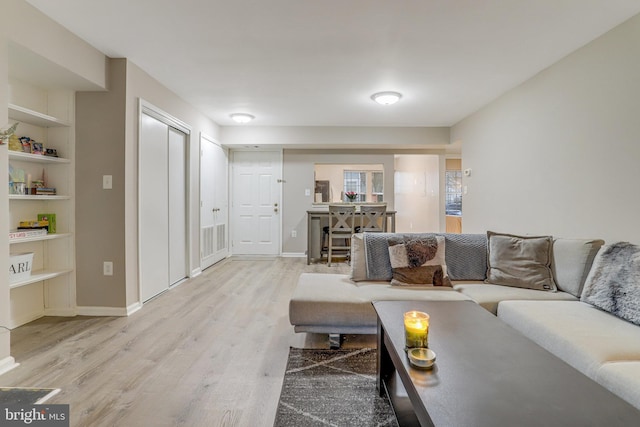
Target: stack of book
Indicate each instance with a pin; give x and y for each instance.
(45, 191)
(23, 234)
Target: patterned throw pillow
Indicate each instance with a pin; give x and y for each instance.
(418, 261)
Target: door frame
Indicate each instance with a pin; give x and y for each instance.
(149, 109)
(232, 209)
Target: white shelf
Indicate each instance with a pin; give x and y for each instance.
(39, 238)
(36, 118)
(52, 269)
(39, 276)
(35, 197)
(36, 158)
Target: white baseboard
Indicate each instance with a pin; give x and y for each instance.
(133, 308)
(102, 311)
(196, 272)
(109, 311)
(62, 312)
(7, 364)
(294, 255)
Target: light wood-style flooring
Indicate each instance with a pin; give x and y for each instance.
(209, 352)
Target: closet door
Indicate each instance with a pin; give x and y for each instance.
(162, 205)
(153, 203)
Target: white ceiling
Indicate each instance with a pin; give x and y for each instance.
(316, 63)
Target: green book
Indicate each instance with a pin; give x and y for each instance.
(51, 217)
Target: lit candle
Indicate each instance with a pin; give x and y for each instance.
(416, 329)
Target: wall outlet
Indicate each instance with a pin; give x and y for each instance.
(294, 233)
(107, 268)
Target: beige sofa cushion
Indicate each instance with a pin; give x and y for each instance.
(489, 295)
(623, 379)
(572, 260)
(577, 333)
(337, 303)
(358, 262)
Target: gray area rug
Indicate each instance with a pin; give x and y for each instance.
(332, 388)
(10, 396)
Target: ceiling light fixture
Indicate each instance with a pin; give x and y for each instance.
(386, 98)
(241, 117)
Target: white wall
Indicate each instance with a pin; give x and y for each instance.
(560, 153)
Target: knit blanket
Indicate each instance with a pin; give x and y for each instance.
(613, 283)
(466, 255)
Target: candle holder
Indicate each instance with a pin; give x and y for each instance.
(416, 329)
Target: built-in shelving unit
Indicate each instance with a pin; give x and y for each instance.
(45, 115)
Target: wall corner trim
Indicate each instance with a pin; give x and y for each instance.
(7, 364)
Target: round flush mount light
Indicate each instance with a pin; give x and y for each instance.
(386, 98)
(241, 117)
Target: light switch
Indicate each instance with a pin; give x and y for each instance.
(307, 191)
(107, 182)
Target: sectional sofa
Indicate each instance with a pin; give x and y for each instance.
(553, 310)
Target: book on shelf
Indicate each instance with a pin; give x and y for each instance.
(26, 233)
(45, 191)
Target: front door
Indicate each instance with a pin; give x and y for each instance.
(256, 202)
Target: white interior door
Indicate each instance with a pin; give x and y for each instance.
(177, 206)
(214, 211)
(154, 215)
(256, 202)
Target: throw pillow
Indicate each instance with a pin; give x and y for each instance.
(613, 284)
(466, 256)
(418, 260)
(520, 261)
(358, 265)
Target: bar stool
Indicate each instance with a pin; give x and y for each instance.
(341, 228)
(373, 218)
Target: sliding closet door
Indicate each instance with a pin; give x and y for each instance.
(162, 205)
(177, 207)
(153, 203)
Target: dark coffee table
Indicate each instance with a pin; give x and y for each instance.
(486, 374)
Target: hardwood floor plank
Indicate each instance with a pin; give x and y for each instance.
(209, 352)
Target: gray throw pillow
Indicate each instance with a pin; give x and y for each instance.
(613, 283)
(520, 261)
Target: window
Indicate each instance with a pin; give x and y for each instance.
(453, 192)
(356, 182)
